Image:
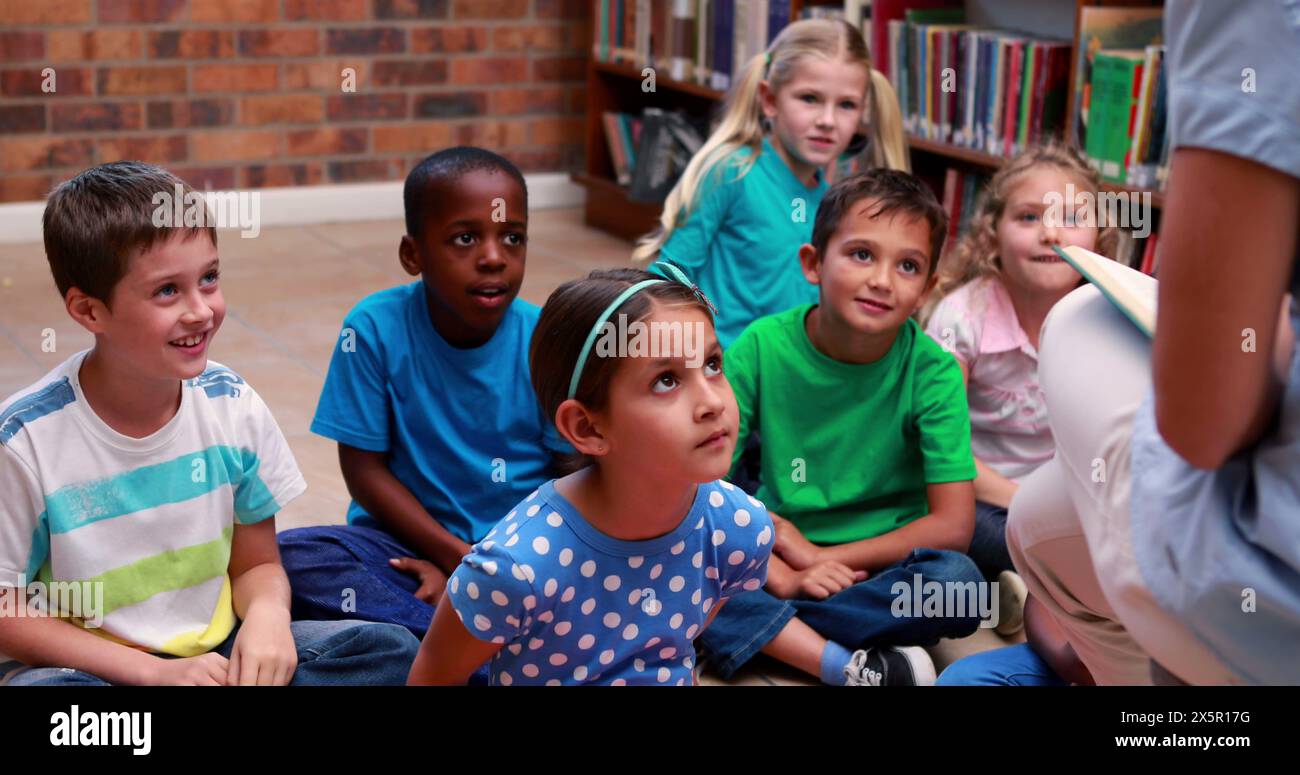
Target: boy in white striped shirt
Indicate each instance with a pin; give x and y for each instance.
(148, 477)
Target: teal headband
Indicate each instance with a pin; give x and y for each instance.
(670, 273)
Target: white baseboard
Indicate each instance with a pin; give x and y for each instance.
(21, 221)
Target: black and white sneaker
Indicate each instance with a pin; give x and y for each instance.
(889, 666)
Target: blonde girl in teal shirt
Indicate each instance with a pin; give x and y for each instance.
(746, 202)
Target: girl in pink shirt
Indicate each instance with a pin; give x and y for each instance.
(995, 290)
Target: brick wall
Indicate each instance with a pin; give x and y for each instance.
(249, 93)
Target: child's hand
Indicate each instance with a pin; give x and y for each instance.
(264, 652)
(432, 579)
(798, 552)
(204, 670)
(826, 578)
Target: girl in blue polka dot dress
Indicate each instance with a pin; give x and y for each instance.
(607, 575)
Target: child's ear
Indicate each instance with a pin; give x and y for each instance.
(409, 254)
(810, 262)
(767, 99)
(89, 312)
(577, 425)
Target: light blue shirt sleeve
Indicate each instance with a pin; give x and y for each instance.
(746, 544)
(493, 594)
(1234, 79)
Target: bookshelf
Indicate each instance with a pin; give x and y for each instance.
(616, 86)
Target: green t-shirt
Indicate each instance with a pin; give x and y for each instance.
(848, 449)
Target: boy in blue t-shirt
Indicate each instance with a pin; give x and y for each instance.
(429, 399)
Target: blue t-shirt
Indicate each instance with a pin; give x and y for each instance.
(573, 605)
(1210, 542)
(462, 427)
(741, 237)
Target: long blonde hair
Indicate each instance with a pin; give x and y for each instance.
(976, 254)
(742, 118)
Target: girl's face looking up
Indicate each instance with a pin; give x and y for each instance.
(671, 415)
(815, 113)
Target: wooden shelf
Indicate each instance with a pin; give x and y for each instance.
(991, 162)
(609, 209)
(629, 70)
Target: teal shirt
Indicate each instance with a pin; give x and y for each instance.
(740, 241)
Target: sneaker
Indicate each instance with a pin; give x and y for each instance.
(1012, 593)
(889, 666)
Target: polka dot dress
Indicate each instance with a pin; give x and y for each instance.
(572, 605)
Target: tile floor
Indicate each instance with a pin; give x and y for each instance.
(286, 294)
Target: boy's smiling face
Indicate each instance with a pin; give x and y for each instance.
(165, 310)
(876, 271)
(470, 253)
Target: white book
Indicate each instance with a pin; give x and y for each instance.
(1133, 292)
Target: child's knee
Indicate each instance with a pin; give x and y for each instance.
(944, 566)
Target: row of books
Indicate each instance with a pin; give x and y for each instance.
(699, 41)
(1121, 94)
(991, 90)
(650, 152)
(961, 190)
(1137, 252)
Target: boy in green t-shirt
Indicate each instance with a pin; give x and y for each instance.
(865, 457)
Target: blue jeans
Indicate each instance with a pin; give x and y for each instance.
(1010, 666)
(856, 617)
(329, 654)
(342, 572)
(988, 546)
(336, 564)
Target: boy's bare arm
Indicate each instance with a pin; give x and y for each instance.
(48, 642)
(949, 525)
(372, 484)
(257, 579)
(264, 653)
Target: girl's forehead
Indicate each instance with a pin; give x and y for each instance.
(830, 75)
(1030, 186)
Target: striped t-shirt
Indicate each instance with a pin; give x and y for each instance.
(150, 520)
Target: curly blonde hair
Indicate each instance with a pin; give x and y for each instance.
(975, 255)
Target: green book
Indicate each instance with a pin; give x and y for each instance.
(1108, 139)
(1027, 88)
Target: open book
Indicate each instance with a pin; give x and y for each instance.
(1133, 292)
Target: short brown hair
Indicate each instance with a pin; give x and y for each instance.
(567, 320)
(95, 222)
(895, 192)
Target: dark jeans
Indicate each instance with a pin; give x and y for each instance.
(342, 572)
(862, 615)
(988, 546)
(329, 654)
